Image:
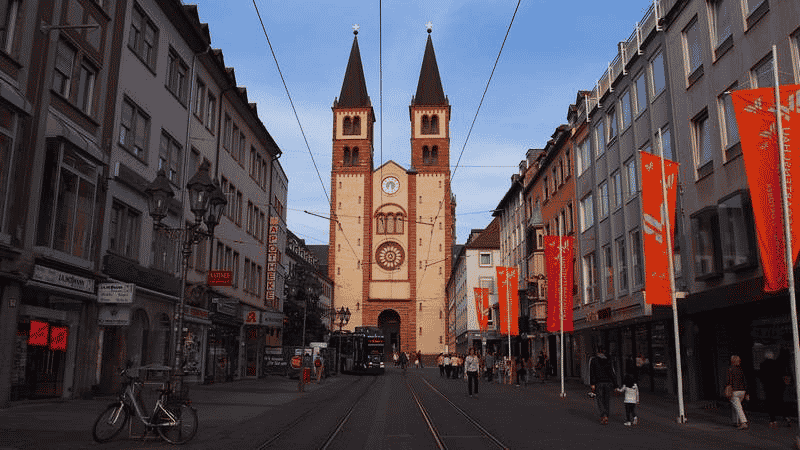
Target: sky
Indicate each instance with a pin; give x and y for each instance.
(554, 49)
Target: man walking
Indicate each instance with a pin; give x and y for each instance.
(489, 366)
(602, 379)
(472, 365)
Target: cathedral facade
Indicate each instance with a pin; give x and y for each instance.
(392, 228)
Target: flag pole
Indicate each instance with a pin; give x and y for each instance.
(670, 256)
(561, 306)
(508, 314)
(786, 231)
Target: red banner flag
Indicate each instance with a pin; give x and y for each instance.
(508, 300)
(559, 281)
(654, 214)
(755, 117)
(482, 307)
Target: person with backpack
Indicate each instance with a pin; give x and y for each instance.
(602, 379)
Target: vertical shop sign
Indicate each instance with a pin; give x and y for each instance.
(58, 338)
(272, 261)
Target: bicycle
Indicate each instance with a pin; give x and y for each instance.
(173, 418)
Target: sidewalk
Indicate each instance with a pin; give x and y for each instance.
(32, 424)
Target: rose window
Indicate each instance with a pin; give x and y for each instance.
(390, 255)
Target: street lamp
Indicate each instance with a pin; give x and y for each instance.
(206, 200)
(301, 283)
(342, 316)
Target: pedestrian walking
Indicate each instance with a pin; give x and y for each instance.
(631, 392)
(509, 370)
(396, 358)
(520, 369)
(440, 363)
(403, 360)
(738, 392)
(528, 369)
(419, 359)
(448, 365)
(602, 378)
(541, 365)
(416, 361)
(489, 366)
(457, 365)
(472, 367)
(319, 365)
(774, 376)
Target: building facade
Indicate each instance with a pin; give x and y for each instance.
(392, 228)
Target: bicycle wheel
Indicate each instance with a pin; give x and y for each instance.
(186, 423)
(110, 422)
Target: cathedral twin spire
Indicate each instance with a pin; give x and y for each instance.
(354, 88)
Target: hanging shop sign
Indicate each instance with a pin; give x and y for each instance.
(220, 278)
(225, 306)
(251, 317)
(64, 279)
(271, 319)
(58, 338)
(38, 334)
(272, 261)
(114, 316)
(117, 293)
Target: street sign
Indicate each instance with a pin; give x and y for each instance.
(220, 278)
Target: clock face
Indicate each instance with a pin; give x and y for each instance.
(390, 255)
(390, 185)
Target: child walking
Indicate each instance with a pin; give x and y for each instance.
(631, 390)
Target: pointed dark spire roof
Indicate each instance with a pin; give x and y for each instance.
(429, 88)
(354, 88)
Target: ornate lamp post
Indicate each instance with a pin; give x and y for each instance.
(342, 316)
(206, 200)
(301, 283)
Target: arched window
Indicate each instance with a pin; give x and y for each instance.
(390, 223)
(434, 125)
(398, 224)
(381, 224)
(426, 125)
(434, 154)
(346, 161)
(354, 160)
(356, 125)
(347, 126)
(426, 155)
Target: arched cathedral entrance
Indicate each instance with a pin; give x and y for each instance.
(389, 322)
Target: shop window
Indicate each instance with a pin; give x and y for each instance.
(67, 202)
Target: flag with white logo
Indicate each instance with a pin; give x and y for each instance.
(654, 224)
(558, 252)
(508, 300)
(482, 307)
(755, 117)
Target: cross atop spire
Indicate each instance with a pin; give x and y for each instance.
(429, 25)
(355, 29)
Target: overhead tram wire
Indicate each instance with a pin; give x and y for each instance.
(469, 133)
(291, 102)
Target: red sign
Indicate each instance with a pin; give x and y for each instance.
(655, 213)
(39, 333)
(755, 117)
(296, 362)
(220, 278)
(558, 256)
(482, 307)
(58, 338)
(508, 301)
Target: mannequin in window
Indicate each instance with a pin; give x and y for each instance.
(346, 161)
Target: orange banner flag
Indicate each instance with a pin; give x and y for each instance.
(654, 214)
(482, 307)
(755, 117)
(559, 276)
(508, 300)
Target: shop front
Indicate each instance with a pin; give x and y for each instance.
(253, 342)
(45, 361)
(272, 322)
(196, 325)
(222, 349)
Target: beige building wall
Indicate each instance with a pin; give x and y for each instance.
(349, 277)
(431, 279)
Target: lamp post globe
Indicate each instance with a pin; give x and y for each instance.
(200, 189)
(216, 204)
(159, 192)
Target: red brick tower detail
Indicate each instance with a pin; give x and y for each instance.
(351, 185)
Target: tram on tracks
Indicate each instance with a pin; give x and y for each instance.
(361, 350)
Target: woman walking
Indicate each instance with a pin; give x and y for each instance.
(739, 386)
(472, 366)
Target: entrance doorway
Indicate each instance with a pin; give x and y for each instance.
(389, 322)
